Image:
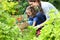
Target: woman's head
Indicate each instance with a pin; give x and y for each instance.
(30, 11)
(34, 2)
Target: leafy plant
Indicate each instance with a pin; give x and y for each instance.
(51, 30)
(8, 6)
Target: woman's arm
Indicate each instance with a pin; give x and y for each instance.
(42, 24)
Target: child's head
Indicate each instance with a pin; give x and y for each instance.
(30, 11)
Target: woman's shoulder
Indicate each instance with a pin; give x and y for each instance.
(46, 4)
(43, 2)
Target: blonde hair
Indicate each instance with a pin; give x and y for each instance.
(32, 10)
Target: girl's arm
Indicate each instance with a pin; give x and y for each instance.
(34, 23)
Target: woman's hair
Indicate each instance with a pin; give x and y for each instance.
(33, 11)
(34, 0)
(40, 7)
(31, 0)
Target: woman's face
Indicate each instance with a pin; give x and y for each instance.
(29, 13)
(33, 3)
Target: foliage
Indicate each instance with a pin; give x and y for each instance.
(13, 33)
(51, 30)
(7, 19)
(21, 7)
(10, 31)
(29, 33)
(8, 6)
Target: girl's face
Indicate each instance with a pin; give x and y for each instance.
(29, 13)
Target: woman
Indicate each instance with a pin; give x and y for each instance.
(43, 7)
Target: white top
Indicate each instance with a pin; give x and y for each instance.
(46, 6)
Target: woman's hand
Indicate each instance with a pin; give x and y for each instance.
(42, 24)
(38, 26)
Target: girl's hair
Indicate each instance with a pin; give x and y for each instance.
(33, 11)
(40, 7)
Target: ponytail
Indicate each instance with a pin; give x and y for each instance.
(40, 6)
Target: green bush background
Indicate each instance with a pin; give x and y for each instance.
(10, 31)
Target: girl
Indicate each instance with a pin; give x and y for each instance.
(34, 17)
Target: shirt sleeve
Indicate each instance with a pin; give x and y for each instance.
(47, 9)
(35, 19)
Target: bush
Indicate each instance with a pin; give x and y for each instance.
(9, 7)
(10, 31)
(51, 30)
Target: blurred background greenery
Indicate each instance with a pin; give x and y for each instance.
(10, 10)
(22, 4)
